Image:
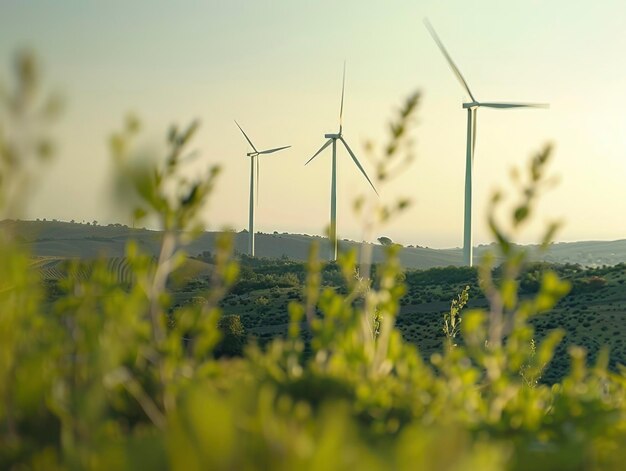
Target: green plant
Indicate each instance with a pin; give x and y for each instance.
(452, 320)
(114, 376)
(233, 336)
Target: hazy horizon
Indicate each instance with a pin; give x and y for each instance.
(277, 70)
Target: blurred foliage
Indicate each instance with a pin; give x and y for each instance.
(115, 377)
(25, 116)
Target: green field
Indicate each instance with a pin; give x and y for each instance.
(593, 314)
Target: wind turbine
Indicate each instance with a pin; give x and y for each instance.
(254, 165)
(332, 139)
(471, 107)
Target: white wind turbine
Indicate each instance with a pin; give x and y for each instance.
(471, 141)
(254, 165)
(332, 139)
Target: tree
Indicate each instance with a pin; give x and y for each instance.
(233, 336)
(262, 304)
(385, 240)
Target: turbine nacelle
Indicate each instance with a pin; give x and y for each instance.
(471, 106)
(333, 136)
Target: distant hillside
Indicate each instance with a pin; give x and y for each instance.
(65, 239)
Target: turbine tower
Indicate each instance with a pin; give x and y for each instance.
(332, 139)
(254, 168)
(471, 107)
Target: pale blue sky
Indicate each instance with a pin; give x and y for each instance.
(276, 68)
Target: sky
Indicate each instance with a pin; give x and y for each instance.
(276, 67)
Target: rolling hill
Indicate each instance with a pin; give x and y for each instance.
(85, 241)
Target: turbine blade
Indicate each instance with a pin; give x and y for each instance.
(321, 149)
(451, 63)
(343, 88)
(246, 136)
(271, 151)
(258, 166)
(514, 105)
(358, 164)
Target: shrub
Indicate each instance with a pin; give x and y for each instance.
(233, 336)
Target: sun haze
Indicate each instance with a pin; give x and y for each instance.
(276, 67)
